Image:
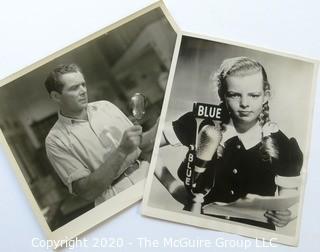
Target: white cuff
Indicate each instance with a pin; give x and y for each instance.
(170, 135)
(287, 182)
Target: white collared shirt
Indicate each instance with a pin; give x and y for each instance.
(76, 148)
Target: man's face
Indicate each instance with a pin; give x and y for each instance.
(245, 97)
(73, 98)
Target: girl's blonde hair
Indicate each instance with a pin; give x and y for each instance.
(242, 66)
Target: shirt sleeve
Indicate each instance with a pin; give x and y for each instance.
(68, 167)
(123, 123)
(185, 129)
(170, 135)
(113, 109)
(290, 162)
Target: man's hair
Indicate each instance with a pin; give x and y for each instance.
(53, 81)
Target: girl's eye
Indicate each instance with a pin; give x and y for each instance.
(233, 95)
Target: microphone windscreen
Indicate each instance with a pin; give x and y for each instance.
(208, 141)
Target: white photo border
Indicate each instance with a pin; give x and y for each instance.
(113, 205)
(220, 224)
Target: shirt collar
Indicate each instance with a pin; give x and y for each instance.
(249, 138)
(69, 120)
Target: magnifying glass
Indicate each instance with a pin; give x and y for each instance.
(138, 104)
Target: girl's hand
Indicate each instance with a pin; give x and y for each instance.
(173, 186)
(279, 218)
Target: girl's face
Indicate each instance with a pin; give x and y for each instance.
(245, 97)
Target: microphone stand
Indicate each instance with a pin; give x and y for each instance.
(197, 166)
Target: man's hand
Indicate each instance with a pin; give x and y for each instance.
(91, 186)
(279, 218)
(131, 139)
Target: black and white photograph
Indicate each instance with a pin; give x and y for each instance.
(233, 147)
(81, 126)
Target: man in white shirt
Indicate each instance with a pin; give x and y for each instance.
(93, 147)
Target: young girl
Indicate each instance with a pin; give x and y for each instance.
(252, 155)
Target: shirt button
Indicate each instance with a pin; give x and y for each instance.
(239, 146)
(232, 192)
(235, 171)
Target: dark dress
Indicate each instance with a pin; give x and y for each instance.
(240, 171)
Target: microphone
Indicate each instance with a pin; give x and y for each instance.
(201, 153)
(207, 143)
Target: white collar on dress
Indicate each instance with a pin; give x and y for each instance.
(252, 136)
